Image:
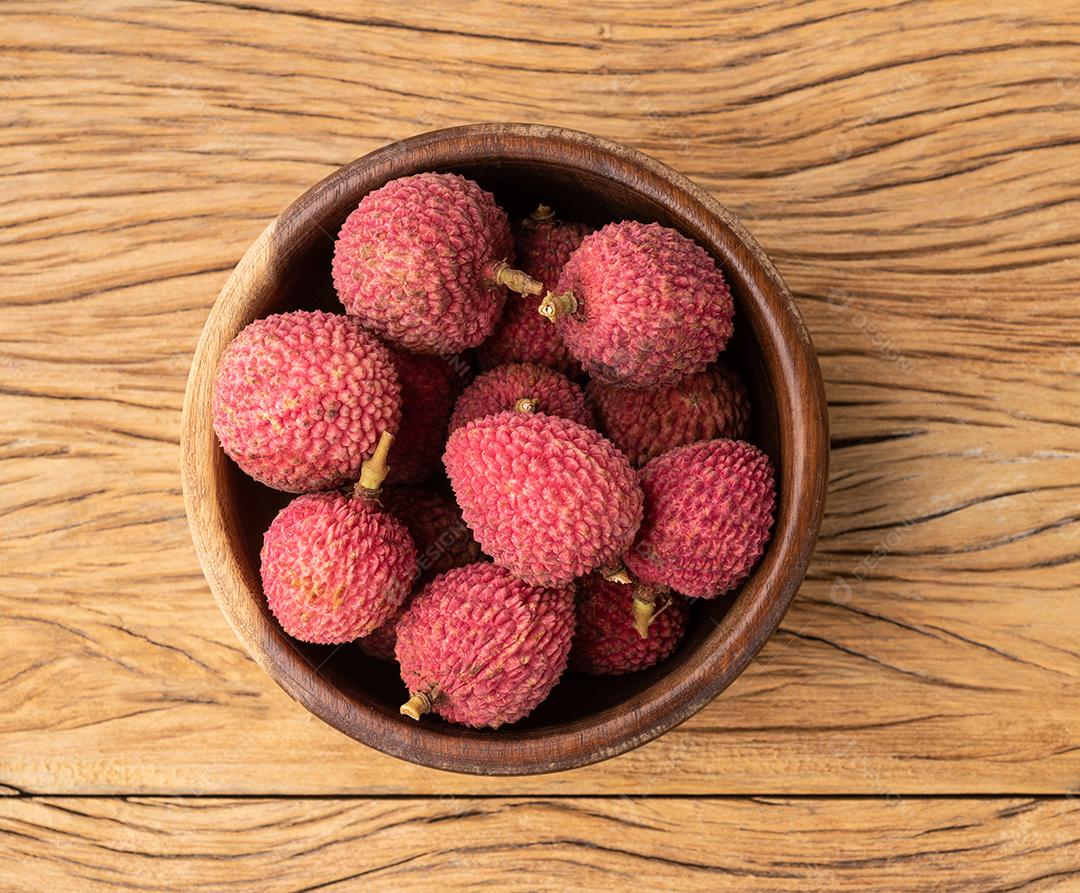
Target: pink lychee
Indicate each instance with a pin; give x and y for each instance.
(545, 497)
(644, 423)
(640, 305)
(525, 387)
(429, 387)
(300, 399)
(480, 647)
(605, 641)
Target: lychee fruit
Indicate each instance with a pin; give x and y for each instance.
(524, 387)
(443, 539)
(480, 647)
(708, 513)
(545, 497)
(644, 423)
(336, 567)
(429, 387)
(605, 640)
(300, 399)
(544, 245)
(443, 542)
(640, 305)
(423, 262)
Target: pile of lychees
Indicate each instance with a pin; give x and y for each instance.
(564, 506)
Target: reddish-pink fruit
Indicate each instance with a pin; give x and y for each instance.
(443, 542)
(418, 262)
(483, 648)
(605, 641)
(646, 423)
(301, 398)
(544, 245)
(708, 513)
(524, 336)
(640, 305)
(545, 497)
(335, 568)
(524, 387)
(429, 387)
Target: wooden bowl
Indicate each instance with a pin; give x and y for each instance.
(585, 719)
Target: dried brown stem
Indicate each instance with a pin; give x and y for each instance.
(516, 280)
(553, 306)
(617, 574)
(645, 598)
(417, 705)
(527, 405)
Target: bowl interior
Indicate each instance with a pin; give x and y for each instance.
(585, 718)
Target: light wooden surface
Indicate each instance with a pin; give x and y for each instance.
(913, 169)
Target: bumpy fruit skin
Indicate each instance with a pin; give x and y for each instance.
(301, 398)
(708, 513)
(429, 387)
(606, 643)
(443, 539)
(500, 389)
(335, 568)
(414, 262)
(443, 542)
(547, 498)
(523, 335)
(485, 646)
(645, 423)
(653, 306)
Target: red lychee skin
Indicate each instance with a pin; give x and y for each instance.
(414, 262)
(645, 423)
(486, 646)
(335, 568)
(523, 335)
(708, 513)
(301, 398)
(653, 306)
(547, 498)
(443, 541)
(429, 387)
(500, 389)
(605, 641)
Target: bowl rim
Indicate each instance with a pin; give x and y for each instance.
(764, 597)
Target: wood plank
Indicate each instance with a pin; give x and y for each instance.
(543, 844)
(918, 194)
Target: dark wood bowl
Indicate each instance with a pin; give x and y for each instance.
(585, 719)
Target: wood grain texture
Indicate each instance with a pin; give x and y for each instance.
(912, 170)
(289, 846)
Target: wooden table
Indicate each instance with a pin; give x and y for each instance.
(914, 171)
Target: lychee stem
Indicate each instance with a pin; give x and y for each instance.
(553, 306)
(374, 470)
(617, 574)
(542, 216)
(527, 405)
(417, 705)
(516, 280)
(644, 607)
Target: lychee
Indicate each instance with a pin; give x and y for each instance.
(423, 262)
(545, 497)
(525, 387)
(337, 567)
(708, 513)
(482, 648)
(605, 640)
(300, 399)
(640, 305)
(544, 245)
(429, 387)
(443, 540)
(644, 423)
